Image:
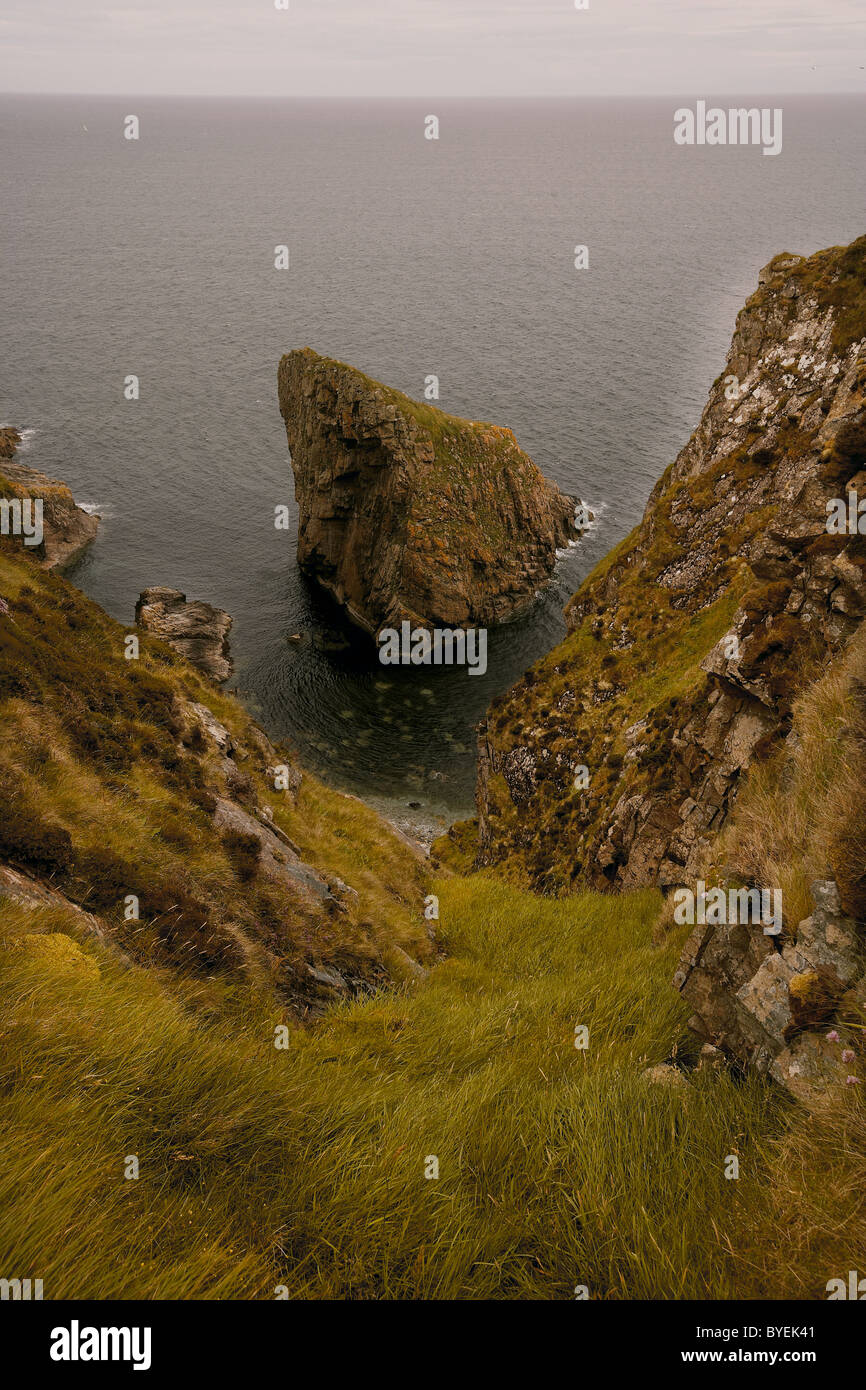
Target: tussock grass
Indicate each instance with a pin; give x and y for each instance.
(306, 1167)
(107, 789)
(802, 815)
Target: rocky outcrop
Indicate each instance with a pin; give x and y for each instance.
(10, 438)
(67, 530)
(769, 1004)
(196, 631)
(406, 513)
(688, 645)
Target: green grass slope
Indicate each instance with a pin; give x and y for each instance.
(303, 1167)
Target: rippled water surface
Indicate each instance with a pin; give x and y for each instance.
(408, 257)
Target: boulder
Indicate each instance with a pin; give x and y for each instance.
(766, 1002)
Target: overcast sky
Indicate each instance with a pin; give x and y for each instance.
(425, 48)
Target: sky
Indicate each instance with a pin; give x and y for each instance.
(447, 48)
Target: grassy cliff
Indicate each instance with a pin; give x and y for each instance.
(172, 1126)
(689, 645)
(111, 773)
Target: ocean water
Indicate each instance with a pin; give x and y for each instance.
(407, 257)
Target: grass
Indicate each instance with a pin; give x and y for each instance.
(108, 789)
(305, 1167)
(801, 815)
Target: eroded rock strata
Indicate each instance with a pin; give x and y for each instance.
(689, 643)
(196, 631)
(778, 1005)
(406, 513)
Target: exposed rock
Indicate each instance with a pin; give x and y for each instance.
(196, 631)
(760, 1004)
(414, 968)
(733, 552)
(711, 1058)
(10, 438)
(331, 979)
(764, 1005)
(406, 513)
(278, 861)
(33, 894)
(67, 530)
(202, 722)
(808, 1067)
(212, 728)
(828, 941)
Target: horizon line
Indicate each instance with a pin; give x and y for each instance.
(454, 96)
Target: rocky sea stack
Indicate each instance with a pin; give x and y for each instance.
(408, 513)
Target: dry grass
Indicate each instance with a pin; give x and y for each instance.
(802, 815)
(305, 1167)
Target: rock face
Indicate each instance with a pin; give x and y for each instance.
(67, 530)
(408, 513)
(770, 1004)
(196, 631)
(689, 644)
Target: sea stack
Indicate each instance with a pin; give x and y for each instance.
(406, 513)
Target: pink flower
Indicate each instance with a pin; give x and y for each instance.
(833, 1036)
(852, 1081)
(848, 1055)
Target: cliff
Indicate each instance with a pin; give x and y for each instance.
(67, 530)
(408, 513)
(688, 645)
(282, 1147)
(718, 653)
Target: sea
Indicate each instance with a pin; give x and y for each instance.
(408, 257)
